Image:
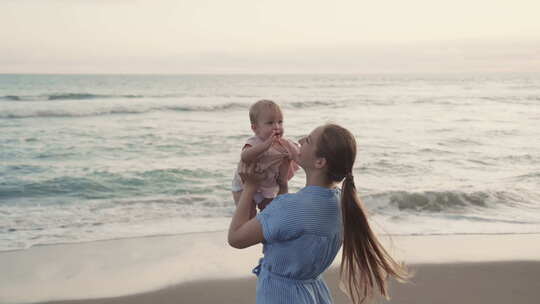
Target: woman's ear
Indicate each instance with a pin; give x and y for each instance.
(320, 162)
(253, 127)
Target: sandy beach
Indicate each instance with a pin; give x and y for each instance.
(490, 282)
(201, 268)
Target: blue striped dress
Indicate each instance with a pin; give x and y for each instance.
(302, 235)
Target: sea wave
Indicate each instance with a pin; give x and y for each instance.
(532, 176)
(65, 96)
(118, 110)
(310, 104)
(108, 185)
(79, 96)
(10, 97)
(523, 100)
(60, 186)
(86, 96)
(40, 224)
(525, 159)
(32, 112)
(452, 142)
(441, 201)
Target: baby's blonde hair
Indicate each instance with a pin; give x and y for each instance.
(261, 105)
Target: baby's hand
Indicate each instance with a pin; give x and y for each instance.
(274, 138)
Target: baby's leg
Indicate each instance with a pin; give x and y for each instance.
(236, 197)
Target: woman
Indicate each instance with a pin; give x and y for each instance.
(302, 232)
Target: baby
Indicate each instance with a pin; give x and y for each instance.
(274, 154)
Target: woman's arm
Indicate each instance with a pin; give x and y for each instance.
(243, 230)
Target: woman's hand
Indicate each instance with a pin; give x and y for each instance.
(251, 174)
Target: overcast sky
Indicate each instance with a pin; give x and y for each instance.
(260, 36)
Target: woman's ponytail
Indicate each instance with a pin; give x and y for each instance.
(365, 264)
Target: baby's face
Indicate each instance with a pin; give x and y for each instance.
(268, 122)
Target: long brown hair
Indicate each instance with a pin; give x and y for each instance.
(365, 263)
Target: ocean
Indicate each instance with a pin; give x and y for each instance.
(98, 157)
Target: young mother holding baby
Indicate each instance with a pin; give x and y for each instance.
(302, 232)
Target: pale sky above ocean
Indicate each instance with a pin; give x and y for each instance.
(246, 36)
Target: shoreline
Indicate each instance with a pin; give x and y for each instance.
(475, 282)
(380, 235)
(145, 266)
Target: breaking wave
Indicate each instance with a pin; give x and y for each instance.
(441, 201)
(65, 96)
(138, 108)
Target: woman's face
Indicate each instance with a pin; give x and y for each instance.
(306, 157)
